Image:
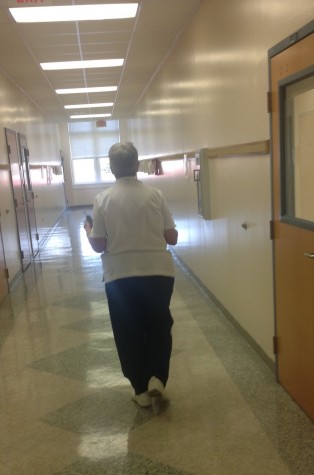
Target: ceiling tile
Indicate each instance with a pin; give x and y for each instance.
(144, 42)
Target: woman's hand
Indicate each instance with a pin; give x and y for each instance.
(88, 224)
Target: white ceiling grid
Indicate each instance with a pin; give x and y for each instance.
(144, 42)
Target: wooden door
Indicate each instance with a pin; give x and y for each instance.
(19, 198)
(4, 289)
(29, 194)
(292, 125)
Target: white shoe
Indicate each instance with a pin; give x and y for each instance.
(156, 388)
(143, 399)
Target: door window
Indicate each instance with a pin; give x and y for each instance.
(297, 149)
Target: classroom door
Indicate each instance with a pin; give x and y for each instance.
(4, 289)
(292, 124)
(19, 198)
(29, 194)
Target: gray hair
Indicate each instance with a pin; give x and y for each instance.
(123, 158)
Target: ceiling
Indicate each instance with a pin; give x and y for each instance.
(144, 42)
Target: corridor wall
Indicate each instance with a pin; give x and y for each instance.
(211, 91)
(19, 114)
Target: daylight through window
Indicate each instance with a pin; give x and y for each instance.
(89, 150)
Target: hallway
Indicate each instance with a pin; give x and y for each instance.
(66, 409)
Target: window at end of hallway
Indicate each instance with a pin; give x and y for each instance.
(89, 147)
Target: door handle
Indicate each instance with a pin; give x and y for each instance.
(196, 175)
(310, 255)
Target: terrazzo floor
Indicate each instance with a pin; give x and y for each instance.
(66, 409)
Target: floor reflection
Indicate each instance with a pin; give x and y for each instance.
(66, 409)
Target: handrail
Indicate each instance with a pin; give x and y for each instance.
(252, 148)
(38, 166)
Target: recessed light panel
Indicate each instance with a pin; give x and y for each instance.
(91, 106)
(89, 116)
(83, 90)
(73, 12)
(94, 63)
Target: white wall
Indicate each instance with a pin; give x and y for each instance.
(211, 92)
(234, 264)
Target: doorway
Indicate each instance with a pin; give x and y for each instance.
(4, 288)
(19, 198)
(291, 66)
(29, 194)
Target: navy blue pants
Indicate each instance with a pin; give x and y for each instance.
(141, 322)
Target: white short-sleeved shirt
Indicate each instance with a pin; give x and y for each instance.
(133, 218)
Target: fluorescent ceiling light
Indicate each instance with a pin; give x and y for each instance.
(89, 106)
(94, 63)
(82, 90)
(73, 12)
(89, 116)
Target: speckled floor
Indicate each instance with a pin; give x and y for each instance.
(66, 409)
